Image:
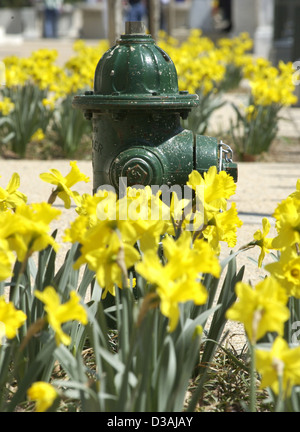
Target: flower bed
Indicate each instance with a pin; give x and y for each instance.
(154, 282)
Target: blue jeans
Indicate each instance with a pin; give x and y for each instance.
(51, 23)
(136, 12)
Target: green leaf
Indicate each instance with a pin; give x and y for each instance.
(164, 374)
(37, 370)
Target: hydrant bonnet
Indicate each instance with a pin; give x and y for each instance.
(136, 73)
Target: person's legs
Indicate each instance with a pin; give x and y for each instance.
(51, 23)
(48, 23)
(55, 23)
(141, 11)
(136, 13)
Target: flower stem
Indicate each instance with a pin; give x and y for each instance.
(252, 407)
(53, 196)
(280, 399)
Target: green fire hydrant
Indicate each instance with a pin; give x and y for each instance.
(136, 110)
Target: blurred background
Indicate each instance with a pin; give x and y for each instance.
(272, 24)
(241, 57)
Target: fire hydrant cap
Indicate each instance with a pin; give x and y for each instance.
(136, 73)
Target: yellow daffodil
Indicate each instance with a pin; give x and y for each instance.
(63, 184)
(281, 363)
(27, 230)
(177, 206)
(7, 259)
(148, 233)
(270, 85)
(262, 241)
(106, 205)
(177, 281)
(261, 309)
(172, 288)
(49, 103)
(77, 230)
(100, 206)
(197, 256)
(58, 314)
(287, 271)
(105, 253)
(10, 197)
(38, 135)
(208, 262)
(10, 318)
(287, 215)
(6, 106)
(214, 188)
(251, 112)
(44, 394)
(145, 214)
(142, 204)
(223, 227)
